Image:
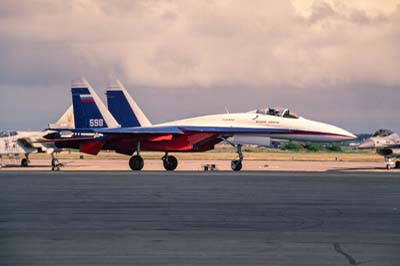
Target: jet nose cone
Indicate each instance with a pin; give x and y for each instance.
(368, 144)
(351, 135)
(346, 134)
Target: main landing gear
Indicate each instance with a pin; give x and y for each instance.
(389, 163)
(55, 164)
(25, 161)
(170, 162)
(136, 162)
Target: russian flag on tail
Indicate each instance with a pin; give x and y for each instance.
(86, 98)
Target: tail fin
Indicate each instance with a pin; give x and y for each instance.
(89, 110)
(123, 107)
(66, 120)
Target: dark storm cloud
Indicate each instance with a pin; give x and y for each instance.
(338, 63)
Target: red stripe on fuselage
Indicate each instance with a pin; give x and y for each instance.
(312, 134)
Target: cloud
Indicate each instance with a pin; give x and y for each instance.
(280, 48)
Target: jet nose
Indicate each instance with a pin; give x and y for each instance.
(368, 144)
(344, 134)
(351, 135)
(333, 133)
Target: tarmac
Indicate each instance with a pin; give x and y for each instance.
(198, 165)
(199, 218)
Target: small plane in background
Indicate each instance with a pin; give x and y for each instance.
(196, 134)
(14, 143)
(387, 144)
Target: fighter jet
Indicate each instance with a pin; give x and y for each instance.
(196, 134)
(387, 144)
(13, 143)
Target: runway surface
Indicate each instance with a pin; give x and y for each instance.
(195, 218)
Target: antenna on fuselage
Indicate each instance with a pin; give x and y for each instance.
(226, 110)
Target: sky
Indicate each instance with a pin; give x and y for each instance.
(334, 61)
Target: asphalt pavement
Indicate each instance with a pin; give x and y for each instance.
(197, 218)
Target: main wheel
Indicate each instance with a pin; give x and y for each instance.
(24, 162)
(136, 163)
(54, 163)
(397, 165)
(236, 165)
(170, 163)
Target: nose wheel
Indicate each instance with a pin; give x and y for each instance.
(236, 165)
(170, 162)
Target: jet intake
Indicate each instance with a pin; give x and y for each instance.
(388, 152)
(245, 139)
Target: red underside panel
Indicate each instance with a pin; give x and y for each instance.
(187, 142)
(92, 147)
(161, 138)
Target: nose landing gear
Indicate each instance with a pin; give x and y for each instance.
(391, 163)
(170, 162)
(236, 165)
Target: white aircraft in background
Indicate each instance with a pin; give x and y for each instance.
(198, 134)
(14, 143)
(387, 144)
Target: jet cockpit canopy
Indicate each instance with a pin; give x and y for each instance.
(281, 112)
(382, 133)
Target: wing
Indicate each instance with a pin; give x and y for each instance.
(140, 131)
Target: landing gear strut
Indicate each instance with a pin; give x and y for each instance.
(25, 161)
(236, 165)
(55, 164)
(389, 163)
(170, 162)
(136, 162)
